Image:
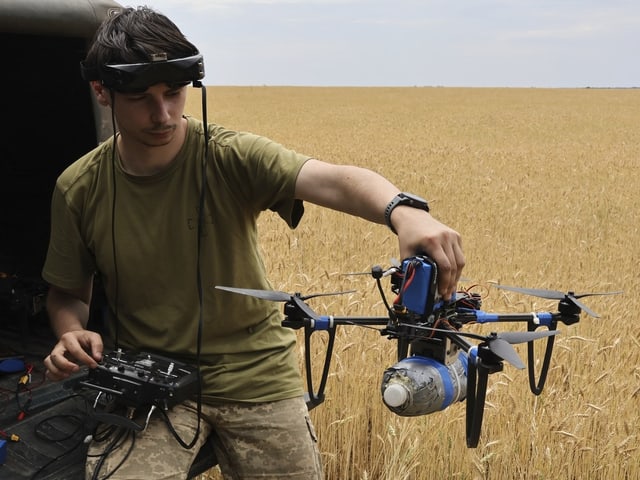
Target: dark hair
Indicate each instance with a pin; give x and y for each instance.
(134, 35)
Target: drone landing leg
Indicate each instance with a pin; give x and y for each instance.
(312, 397)
(477, 378)
(537, 386)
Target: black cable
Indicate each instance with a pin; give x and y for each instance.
(384, 297)
(122, 436)
(101, 436)
(201, 202)
(43, 437)
(113, 222)
(39, 432)
(55, 459)
(173, 431)
(132, 434)
(201, 205)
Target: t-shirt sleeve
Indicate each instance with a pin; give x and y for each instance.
(265, 174)
(68, 264)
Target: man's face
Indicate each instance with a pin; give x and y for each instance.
(151, 117)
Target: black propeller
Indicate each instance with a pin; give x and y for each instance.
(557, 295)
(277, 296)
(500, 344)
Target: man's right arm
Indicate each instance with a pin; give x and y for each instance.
(68, 312)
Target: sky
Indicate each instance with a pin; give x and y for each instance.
(451, 43)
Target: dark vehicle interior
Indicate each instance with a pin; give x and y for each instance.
(50, 119)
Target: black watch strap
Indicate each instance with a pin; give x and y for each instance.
(407, 199)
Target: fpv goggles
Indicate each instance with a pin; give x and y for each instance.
(137, 77)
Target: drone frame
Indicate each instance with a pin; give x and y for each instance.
(407, 327)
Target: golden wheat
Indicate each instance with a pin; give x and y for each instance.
(544, 186)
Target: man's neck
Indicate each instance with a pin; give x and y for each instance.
(139, 159)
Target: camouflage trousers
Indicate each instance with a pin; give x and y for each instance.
(273, 440)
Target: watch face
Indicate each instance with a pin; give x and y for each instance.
(415, 198)
(407, 199)
(414, 201)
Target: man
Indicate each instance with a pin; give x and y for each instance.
(138, 212)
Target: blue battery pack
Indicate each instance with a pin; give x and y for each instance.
(12, 365)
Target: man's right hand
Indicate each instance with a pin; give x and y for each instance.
(76, 347)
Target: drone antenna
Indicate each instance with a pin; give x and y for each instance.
(383, 296)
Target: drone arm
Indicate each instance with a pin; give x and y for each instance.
(479, 316)
(534, 320)
(325, 322)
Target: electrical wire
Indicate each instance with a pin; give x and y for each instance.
(116, 283)
(122, 435)
(199, 286)
(80, 426)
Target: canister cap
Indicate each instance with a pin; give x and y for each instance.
(395, 395)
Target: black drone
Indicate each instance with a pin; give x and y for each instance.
(436, 365)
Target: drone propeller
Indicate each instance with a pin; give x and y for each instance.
(501, 344)
(277, 296)
(273, 295)
(557, 295)
(498, 343)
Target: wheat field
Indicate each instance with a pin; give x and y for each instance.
(544, 186)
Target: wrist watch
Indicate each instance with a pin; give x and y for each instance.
(407, 199)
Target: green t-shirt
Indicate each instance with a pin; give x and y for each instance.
(246, 354)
